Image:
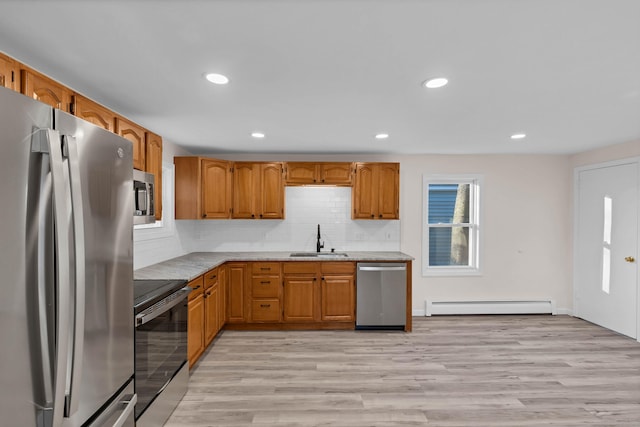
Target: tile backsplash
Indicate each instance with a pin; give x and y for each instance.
(305, 208)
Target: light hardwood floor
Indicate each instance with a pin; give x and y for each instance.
(451, 371)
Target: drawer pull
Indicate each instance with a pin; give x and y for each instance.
(265, 305)
(265, 282)
(213, 277)
(265, 268)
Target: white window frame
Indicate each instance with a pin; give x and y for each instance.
(475, 226)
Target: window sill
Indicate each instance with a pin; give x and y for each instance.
(451, 272)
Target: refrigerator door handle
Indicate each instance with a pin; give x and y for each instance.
(70, 150)
(48, 142)
(130, 401)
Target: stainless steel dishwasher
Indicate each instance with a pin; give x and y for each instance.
(381, 299)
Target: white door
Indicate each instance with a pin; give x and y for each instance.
(605, 286)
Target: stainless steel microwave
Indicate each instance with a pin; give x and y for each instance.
(144, 211)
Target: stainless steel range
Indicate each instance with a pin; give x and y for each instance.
(161, 368)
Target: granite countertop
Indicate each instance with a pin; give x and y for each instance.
(190, 266)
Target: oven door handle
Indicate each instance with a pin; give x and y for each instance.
(153, 312)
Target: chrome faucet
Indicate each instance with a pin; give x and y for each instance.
(319, 245)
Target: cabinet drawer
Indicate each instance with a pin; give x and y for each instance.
(337, 267)
(197, 286)
(265, 287)
(265, 268)
(265, 310)
(300, 267)
(210, 278)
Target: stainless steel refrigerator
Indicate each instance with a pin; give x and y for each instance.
(66, 299)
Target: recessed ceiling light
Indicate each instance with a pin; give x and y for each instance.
(518, 136)
(257, 135)
(382, 136)
(216, 78)
(435, 83)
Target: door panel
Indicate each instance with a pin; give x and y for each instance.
(607, 233)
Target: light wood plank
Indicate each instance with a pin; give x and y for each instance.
(451, 371)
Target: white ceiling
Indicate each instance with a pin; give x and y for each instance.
(324, 76)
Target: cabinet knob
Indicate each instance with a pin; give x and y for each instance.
(373, 216)
(380, 216)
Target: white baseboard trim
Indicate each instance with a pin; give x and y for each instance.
(433, 308)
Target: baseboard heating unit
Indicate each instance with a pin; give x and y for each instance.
(434, 308)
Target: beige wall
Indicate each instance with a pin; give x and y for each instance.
(526, 234)
(605, 154)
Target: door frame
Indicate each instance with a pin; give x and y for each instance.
(576, 200)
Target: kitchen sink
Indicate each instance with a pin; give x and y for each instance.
(319, 254)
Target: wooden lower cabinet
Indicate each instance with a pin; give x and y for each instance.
(196, 319)
(238, 303)
(338, 292)
(265, 292)
(211, 306)
(300, 292)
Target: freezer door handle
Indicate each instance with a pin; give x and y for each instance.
(47, 142)
(70, 150)
(399, 268)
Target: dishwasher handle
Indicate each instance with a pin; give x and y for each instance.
(399, 268)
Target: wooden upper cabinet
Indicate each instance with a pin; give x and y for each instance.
(216, 188)
(245, 183)
(388, 191)
(306, 173)
(202, 188)
(93, 112)
(271, 195)
(258, 191)
(301, 173)
(9, 73)
(136, 135)
(153, 165)
(376, 192)
(44, 89)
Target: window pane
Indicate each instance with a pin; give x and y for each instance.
(449, 246)
(449, 203)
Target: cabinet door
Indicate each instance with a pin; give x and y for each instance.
(136, 135)
(211, 316)
(222, 296)
(271, 195)
(216, 189)
(188, 188)
(388, 191)
(153, 164)
(336, 173)
(43, 89)
(93, 112)
(9, 73)
(237, 307)
(245, 180)
(338, 298)
(299, 299)
(301, 173)
(364, 194)
(195, 337)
